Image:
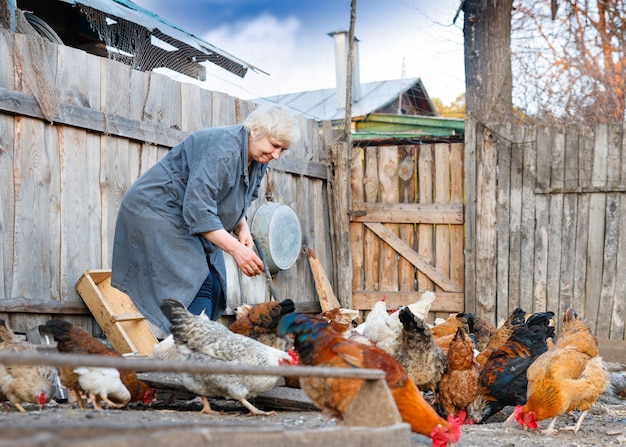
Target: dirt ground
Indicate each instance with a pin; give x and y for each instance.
(604, 425)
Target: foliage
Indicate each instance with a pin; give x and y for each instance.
(456, 109)
(569, 63)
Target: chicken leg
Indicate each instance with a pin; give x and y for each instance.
(255, 411)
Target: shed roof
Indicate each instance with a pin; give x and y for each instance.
(375, 96)
(187, 49)
(389, 128)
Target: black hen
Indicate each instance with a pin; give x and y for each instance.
(503, 381)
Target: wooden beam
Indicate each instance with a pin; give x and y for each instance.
(414, 258)
(29, 306)
(17, 103)
(444, 301)
(435, 213)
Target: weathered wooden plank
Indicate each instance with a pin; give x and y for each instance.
(407, 170)
(370, 241)
(7, 203)
(357, 230)
(570, 218)
(503, 153)
(622, 151)
(119, 168)
(444, 302)
(457, 234)
(544, 150)
(78, 78)
(469, 165)
(610, 266)
(597, 222)
(80, 207)
(114, 100)
(542, 222)
(614, 167)
(224, 112)
(6, 56)
(425, 231)
(422, 264)
(515, 218)
(37, 204)
(527, 224)
(34, 55)
(442, 196)
(388, 185)
(571, 156)
(421, 213)
(618, 320)
(191, 114)
(555, 225)
(585, 142)
(486, 228)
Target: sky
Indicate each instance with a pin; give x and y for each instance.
(288, 41)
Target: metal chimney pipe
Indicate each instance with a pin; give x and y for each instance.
(342, 49)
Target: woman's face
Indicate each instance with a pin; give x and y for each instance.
(264, 149)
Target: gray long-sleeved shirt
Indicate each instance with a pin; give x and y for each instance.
(203, 184)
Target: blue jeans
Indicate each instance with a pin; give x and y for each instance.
(208, 295)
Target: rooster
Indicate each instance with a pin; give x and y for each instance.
(24, 383)
(570, 376)
(459, 384)
(501, 335)
(76, 340)
(260, 321)
(317, 344)
(199, 339)
(502, 380)
(419, 354)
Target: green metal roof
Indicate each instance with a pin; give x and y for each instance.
(383, 127)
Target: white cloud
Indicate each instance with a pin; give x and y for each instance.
(279, 48)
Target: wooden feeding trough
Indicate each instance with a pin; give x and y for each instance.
(123, 325)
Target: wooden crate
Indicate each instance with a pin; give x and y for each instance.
(123, 325)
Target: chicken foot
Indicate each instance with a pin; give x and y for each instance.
(550, 430)
(206, 407)
(255, 411)
(576, 427)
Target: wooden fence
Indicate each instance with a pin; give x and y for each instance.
(76, 131)
(546, 221)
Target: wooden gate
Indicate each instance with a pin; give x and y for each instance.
(406, 225)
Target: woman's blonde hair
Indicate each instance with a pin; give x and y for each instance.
(274, 121)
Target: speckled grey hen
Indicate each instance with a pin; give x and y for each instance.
(199, 339)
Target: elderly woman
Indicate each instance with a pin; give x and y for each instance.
(178, 218)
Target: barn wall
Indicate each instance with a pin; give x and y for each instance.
(76, 131)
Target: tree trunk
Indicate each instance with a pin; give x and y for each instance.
(488, 78)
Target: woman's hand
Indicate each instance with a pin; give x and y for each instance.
(243, 254)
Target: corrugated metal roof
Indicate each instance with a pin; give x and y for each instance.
(322, 104)
(127, 10)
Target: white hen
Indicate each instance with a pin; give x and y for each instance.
(387, 332)
(101, 384)
(199, 339)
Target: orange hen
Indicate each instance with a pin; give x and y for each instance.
(319, 345)
(570, 376)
